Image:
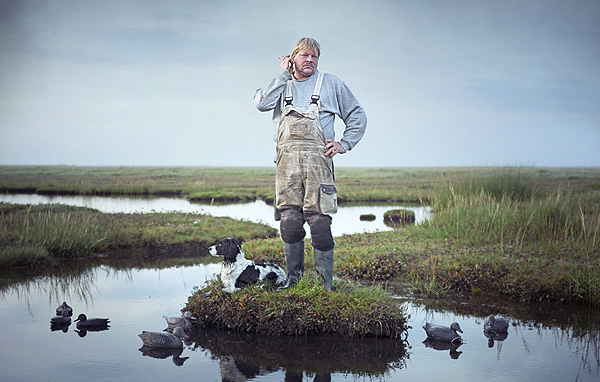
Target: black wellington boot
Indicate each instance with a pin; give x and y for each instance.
(324, 266)
(294, 260)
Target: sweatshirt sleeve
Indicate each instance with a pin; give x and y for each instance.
(353, 115)
(266, 99)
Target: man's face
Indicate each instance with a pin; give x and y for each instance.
(305, 64)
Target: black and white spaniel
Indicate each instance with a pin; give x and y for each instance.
(238, 272)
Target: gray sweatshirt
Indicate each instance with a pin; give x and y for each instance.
(336, 99)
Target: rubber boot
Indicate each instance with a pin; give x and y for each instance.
(294, 261)
(324, 266)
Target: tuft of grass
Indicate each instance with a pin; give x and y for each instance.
(306, 309)
(399, 217)
(367, 217)
(33, 233)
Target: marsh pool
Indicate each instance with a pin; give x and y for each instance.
(544, 343)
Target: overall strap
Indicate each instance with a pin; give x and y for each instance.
(288, 93)
(316, 94)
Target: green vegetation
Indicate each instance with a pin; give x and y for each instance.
(367, 217)
(399, 216)
(43, 234)
(521, 232)
(306, 309)
(212, 183)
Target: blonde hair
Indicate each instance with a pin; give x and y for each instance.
(307, 43)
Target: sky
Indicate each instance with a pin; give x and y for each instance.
(170, 83)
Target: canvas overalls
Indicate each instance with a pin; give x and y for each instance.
(304, 174)
(304, 187)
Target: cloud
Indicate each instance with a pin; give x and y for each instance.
(156, 82)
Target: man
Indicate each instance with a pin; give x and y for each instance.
(304, 103)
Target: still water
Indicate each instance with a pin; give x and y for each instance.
(544, 343)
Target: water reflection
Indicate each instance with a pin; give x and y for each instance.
(545, 342)
(84, 331)
(250, 355)
(175, 354)
(76, 281)
(449, 347)
(571, 334)
(494, 337)
(59, 327)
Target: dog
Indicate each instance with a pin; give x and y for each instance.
(238, 272)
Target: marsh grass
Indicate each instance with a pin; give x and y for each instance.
(523, 232)
(399, 217)
(551, 232)
(306, 309)
(34, 233)
(516, 214)
(212, 183)
(41, 234)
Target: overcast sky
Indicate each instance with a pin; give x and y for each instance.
(168, 82)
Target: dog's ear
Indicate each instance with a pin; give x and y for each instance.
(230, 247)
(237, 242)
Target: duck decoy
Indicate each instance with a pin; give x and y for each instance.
(164, 340)
(444, 333)
(89, 323)
(183, 322)
(61, 320)
(497, 324)
(64, 307)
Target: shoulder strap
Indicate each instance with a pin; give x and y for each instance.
(288, 93)
(316, 94)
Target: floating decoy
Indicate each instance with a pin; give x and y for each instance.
(89, 323)
(62, 307)
(183, 322)
(497, 324)
(164, 340)
(63, 319)
(444, 333)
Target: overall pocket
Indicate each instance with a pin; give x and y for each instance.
(328, 199)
